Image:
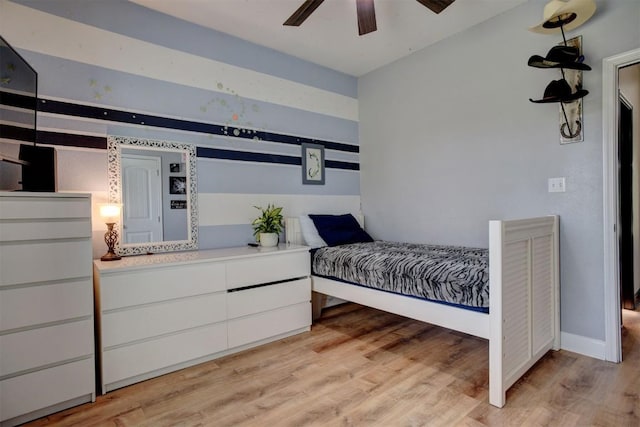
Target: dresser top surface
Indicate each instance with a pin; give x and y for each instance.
(223, 254)
(33, 194)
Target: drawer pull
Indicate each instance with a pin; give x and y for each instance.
(261, 285)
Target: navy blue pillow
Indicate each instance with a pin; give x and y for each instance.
(339, 229)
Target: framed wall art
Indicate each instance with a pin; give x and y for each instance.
(312, 164)
(178, 204)
(177, 185)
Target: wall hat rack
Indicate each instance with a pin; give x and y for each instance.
(558, 16)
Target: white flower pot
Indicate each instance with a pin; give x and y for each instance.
(268, 239)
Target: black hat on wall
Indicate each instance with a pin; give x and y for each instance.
(560, 91)
(560, 57)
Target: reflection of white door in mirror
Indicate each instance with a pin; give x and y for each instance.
(142, 196)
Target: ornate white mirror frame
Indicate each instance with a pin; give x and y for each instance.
(115, 144)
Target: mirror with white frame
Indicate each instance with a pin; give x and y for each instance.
(155, 182)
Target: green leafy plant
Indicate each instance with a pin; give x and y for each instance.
(270, 221)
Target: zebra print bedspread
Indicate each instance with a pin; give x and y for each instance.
(450, 274)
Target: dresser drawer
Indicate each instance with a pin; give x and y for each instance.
(268, 268)
(22, 207)
(249, 329)
(160, 284)
(41, 230)
(137, 359)
(128, 325)
(46, 303)
(24, 262)
(255, 300)
(40, 389)
(39, 347)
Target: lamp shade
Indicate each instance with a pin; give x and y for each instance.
(110, 211)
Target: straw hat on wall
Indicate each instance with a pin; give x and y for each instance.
(570, 14)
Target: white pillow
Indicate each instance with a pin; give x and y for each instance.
(309, 232)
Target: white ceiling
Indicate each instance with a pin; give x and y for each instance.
(329, 36)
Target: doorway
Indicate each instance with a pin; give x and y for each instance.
(611, 219)
(626, 202)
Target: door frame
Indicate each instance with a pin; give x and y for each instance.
(610, 107)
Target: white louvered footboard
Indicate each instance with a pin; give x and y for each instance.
(524, 303)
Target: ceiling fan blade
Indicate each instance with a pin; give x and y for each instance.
(303, 12)
(366, 16)
(436, 6)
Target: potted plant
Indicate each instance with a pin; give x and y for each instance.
(268, 226)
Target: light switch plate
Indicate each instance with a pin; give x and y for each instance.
(557, 185)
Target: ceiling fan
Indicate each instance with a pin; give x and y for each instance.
(365, 11)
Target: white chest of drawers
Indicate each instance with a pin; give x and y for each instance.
(159, 313)
(46, 304)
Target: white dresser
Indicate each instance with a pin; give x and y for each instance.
(46, 304)
(163, 312)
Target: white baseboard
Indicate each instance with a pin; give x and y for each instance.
(582, 345)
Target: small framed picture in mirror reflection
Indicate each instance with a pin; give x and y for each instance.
(178, 204)
(177, 185)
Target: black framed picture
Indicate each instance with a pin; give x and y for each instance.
(312, 164)
(174, 167)
(178, 204)
(177, 185)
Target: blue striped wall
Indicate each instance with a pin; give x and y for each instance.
(116, 68)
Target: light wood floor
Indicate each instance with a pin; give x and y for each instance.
(362, 367)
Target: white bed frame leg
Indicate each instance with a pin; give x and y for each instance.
(524, 299)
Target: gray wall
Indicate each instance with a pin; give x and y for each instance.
(449, 141)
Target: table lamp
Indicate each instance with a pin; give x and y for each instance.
(111, 213)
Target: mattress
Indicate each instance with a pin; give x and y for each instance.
(449, 274)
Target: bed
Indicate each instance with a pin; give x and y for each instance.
(523, 320)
